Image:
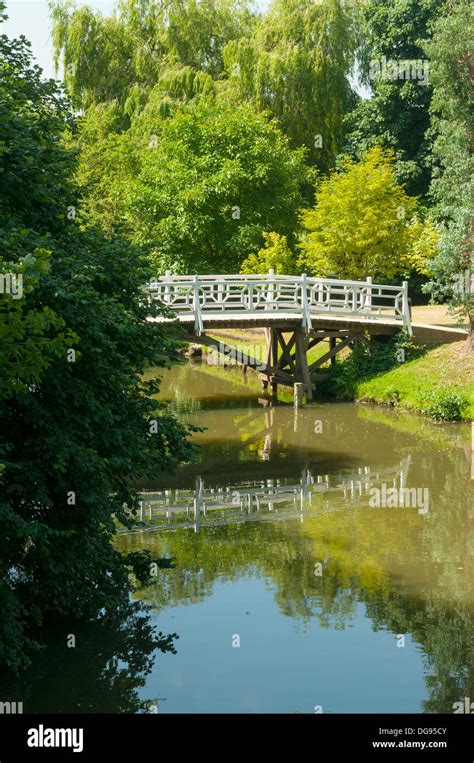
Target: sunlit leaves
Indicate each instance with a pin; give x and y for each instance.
(201, 187)
(359, 224)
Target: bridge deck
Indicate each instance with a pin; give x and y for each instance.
(423, 333)
(274, 300)
(284, 320)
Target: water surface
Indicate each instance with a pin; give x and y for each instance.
(314, 597)
(298, 584)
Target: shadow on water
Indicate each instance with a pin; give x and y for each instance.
(99, 667)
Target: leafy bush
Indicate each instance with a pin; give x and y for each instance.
(444, 405)
(392, 396)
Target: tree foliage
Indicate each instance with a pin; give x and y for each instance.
(171, 48)
(276, 255)
(452, 188)
(359, 224)
(200, 187)
(74, 412)
(296, 64)
(395, 66)
(293, 61)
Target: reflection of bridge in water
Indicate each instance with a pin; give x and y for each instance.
(264, 500)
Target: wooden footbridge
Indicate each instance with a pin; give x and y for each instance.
(296, 312)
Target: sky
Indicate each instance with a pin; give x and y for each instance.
(31, 18)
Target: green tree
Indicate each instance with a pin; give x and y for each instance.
(359, 224)
(74, 412)
(201, 186)
(276, 255)
(395, 66)
(171, 48)
(296, 64)
(452, 188)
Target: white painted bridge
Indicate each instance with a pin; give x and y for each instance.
(296, 312)
(214, 301)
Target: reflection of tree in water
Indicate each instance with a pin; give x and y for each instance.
(441, 617)
(103, 673)
(413, 573)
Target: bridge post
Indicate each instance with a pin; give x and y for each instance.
(305, 304)
(167, 287)
(271, 288)
(368, 299)
(198, 325)
(298, 391)
(406, 309)
(272, 356)
(302, 368)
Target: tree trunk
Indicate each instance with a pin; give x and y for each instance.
(470, 337)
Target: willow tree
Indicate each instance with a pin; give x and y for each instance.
(175, 46)
(297, 65)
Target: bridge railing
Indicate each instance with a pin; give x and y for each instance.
(198, 296)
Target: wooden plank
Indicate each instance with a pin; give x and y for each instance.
(313, 342)
(286, 358)
(325, 333)
(334, 351)
(302, 363)
(233, 353)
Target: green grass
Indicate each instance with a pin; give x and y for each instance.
(426, 384)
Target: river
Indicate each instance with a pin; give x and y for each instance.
(327, 594)
(318, 561)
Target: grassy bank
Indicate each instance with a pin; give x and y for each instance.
(436, 382)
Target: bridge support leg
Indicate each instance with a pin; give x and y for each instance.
(292, 365)
(302, 368)
(272, 357)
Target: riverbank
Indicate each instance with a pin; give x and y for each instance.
(438, 383)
